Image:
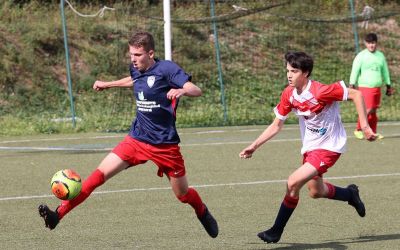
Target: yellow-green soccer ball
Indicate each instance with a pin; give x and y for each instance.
(66, 184)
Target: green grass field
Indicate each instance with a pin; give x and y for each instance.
(137, 210)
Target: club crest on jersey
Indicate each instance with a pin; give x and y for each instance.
(150, 81)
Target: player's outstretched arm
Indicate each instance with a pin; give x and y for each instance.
(268, 133)
(358, 100)
(189, 89)
(124, 82)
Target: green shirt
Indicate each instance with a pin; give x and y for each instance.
(369, 70)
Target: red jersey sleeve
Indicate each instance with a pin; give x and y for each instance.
(333, 92)
(284, 106)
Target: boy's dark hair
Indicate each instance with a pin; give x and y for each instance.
(142, 39)
(300, 60)
(371, 37)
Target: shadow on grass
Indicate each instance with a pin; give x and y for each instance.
(339, 245)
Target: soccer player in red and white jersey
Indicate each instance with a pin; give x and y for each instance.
(157, 86)
(323, 137)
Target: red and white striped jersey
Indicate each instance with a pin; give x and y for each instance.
(318, 111)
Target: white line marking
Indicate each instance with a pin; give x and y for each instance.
(235, 142)
(209, 132)
(54, 149)
(66, 138)
(287, 127)
(182, 145)
(200, 186)
(108, 149)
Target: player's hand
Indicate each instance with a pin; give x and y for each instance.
(369, 134)
(389, 90)
(247, 152)
(175, 93)
(99, 85)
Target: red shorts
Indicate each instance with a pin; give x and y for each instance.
(167, 157)
(372, 97)
(321, 159)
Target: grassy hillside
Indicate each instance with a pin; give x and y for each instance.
(34, 92)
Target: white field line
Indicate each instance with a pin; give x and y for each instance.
(54, 149)
(288, 127)
(182, 145)
(199, 186)
(108, 149)
(66, 138)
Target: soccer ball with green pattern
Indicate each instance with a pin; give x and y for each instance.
(66, 184)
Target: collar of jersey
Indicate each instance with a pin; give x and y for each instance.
(297, 96)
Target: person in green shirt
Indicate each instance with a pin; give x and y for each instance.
(368, 74)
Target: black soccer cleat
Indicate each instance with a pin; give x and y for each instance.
(270, 236)
(356, 200)
(50, 217)
(209, 223)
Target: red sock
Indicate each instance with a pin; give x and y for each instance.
(290, 202)
(331, 190)
(91, 183)
(373, 121)
(194, 200)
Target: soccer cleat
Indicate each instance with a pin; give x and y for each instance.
(356, 200)
(209, 223)
(379, 136)
(359, 134)
(270, 236)
(50, 217)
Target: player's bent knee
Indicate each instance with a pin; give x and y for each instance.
(315, 193)
(293, 187)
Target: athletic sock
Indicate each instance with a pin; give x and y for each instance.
(285, 211)
(194, 200)
(373, 121)
(338, 193)
(91, 183)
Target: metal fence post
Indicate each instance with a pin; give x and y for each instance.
(217, 51)
(354, 25)
(71, 97)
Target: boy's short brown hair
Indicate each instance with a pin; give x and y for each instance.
(142, 39)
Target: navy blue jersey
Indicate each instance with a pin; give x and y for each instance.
(155, 113)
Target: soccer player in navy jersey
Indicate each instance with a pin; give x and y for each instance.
(157, 86)
(323, 137)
